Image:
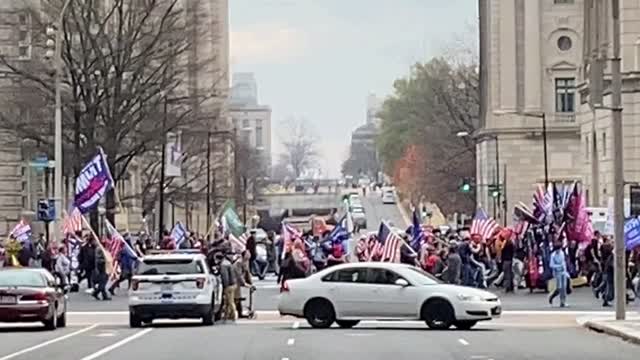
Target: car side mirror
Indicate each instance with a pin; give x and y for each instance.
(402, 282)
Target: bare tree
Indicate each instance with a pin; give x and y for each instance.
(299, 145)
(124, 70)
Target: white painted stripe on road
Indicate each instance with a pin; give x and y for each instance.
(295, 325)
(47, 343)
(112, 347)
(463, 342)
(291, 342)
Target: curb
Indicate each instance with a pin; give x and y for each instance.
(612, 331)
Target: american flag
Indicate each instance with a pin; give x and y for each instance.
(289, 234)
(543, 203)
(390, 242)
(238, 243)
(72, 222)
(520, 228)
(22, 231)
(483, 225)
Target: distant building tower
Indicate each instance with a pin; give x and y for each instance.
(374, 105)
(244, 89)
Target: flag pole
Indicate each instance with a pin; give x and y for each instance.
(107, 255)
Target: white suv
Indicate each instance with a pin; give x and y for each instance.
(174, 286)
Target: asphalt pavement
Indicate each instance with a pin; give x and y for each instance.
(542, 336)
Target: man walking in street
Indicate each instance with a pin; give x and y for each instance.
(229, 282)
(102, 277)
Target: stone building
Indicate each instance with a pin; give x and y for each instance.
(21, 185)
(593, 113)
(530, 64)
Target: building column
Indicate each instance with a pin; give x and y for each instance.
(532, 57)
(508, 76)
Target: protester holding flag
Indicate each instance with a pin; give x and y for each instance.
(101, 274)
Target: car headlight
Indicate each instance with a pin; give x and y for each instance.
(463, 297)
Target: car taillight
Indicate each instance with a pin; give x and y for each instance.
(41, 298)
(200, 282)
(284, 287)
(134, 284)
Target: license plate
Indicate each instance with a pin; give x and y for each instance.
(8, 300)
(166, 287)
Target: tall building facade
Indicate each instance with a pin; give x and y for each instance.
(530, 58)
(22, 183)
(251, 120)
(595, 97)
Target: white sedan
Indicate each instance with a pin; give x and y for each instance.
(348, 293)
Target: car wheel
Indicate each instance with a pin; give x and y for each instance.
(52, 324)
(62, 320)
(438, 314)
(134, 320)
(210, 317)
(347, 324)
(319, 313)
(465, 324)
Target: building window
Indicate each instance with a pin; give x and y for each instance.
(259, 142)
(565, 95)
(23, 19)
(586, 148)
(563, 1)
(24, 52)
(245, 124)
(564, 43)
(23, 36)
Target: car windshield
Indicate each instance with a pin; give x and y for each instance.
(170, 267)
(420, 277)
(22, 279)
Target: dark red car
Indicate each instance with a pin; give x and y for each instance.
(32, 295)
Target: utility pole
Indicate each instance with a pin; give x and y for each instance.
(162, 169)
(545, 150)
(618, 169)
(499, 188)
(208, 182)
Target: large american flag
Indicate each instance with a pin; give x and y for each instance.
(289, 234)
(483, 225)
(72, 222)
(238, 243)
(390, 241)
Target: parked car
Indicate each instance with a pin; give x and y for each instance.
(388, 197)
(348, 293)
(32, 295)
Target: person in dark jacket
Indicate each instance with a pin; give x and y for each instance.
(87, 260)
(101, 275)
(127, 264)
(251, 247)
(508, 252)
(229, 279)
(454, 265)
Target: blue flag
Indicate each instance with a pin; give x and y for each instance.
(92, 183)
(179, 234)
(632, 233)
(417, 235)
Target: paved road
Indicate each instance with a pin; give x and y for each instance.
(90, 337)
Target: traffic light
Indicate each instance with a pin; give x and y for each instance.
(466, 185)
(494, 190)
(46, 210)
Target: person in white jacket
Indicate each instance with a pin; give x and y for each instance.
(63, 265)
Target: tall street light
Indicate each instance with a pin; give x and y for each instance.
(57, 63)
(542, 116)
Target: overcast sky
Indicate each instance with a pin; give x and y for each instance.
(319, 59)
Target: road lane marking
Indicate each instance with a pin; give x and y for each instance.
(285, 358)
(291, 341)
(295, 325)
(49, 342)
(114, 346)
(463, 342)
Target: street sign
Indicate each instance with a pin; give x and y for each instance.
(46, 210)
(41, 162)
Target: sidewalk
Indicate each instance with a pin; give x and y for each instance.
(628, 330)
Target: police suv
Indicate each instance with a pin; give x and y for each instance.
(174, 285)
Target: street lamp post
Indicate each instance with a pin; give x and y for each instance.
(57, 63)
(162, 167)
(543, 117)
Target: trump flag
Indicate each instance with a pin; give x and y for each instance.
(92, 183)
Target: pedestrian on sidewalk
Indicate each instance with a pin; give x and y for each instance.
(558, 266)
